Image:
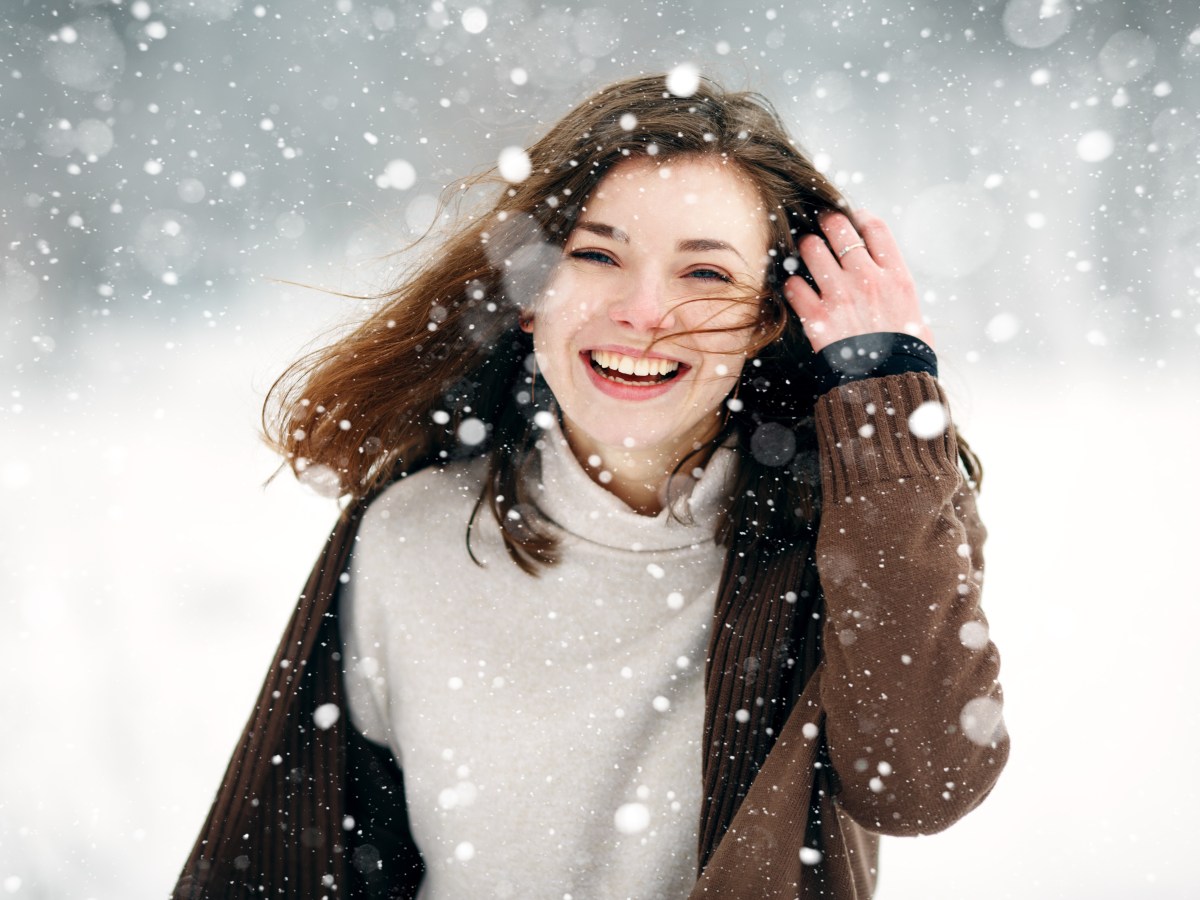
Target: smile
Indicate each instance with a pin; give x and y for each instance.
(627, 377)
(633, 370)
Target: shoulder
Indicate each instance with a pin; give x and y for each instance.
(428, 501)
(417, 525)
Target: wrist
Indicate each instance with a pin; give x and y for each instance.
(872, 355)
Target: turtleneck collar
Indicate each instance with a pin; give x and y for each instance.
(565, 494)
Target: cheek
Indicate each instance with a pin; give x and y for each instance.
(730, 381)
(566, 302)
(554, 330)
(717, 380)
(725, 351)
(725, 324)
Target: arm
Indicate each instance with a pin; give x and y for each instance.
(909, 685)
(908, 688)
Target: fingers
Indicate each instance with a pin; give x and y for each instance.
(878, 238)
(851, 248)
(846, 231)
(813, 312)
(828, 266)
(867, 289)
(803, 299)
(820, 261)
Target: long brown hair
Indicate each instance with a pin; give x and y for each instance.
(442, 371)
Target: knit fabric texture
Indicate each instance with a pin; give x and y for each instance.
(851, 691)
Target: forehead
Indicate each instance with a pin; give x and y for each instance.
(687, 194)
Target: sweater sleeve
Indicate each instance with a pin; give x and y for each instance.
(913, 708)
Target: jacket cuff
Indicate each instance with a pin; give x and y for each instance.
(884, 429)
(872, 356)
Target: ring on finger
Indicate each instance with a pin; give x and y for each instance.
(850, 247)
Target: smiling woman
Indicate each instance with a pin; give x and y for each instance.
(720, 626)
(643, 330)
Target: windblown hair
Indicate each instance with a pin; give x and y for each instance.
(442, 370)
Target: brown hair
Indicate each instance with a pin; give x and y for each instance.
(441, 370)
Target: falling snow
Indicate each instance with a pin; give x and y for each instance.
(632, 818)
(514, 164)
(928, 420)
(326, 715)
(683, 80)
(175, 170)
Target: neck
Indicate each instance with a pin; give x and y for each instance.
(638, 476)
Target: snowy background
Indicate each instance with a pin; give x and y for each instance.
(164, 164)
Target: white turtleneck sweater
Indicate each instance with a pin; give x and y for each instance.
(548, 727)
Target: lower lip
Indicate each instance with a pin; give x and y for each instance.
(629, 391)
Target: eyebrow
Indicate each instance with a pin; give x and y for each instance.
(690, 245)
(608, 231)
(700, 245)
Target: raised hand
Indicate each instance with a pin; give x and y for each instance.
(863, 285)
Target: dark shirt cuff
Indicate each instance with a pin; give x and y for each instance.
(872, 356)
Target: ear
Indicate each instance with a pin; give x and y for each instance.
(525, 321)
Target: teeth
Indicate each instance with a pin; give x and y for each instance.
(629, 365)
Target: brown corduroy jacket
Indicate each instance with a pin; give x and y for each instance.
(851, 692)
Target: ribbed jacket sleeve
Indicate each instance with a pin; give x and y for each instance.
(899, 729)
(912, 703)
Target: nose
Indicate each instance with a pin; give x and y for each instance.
(643, 305)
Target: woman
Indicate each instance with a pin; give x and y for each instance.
(665, 577)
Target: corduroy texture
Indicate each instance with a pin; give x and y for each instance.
(274, 819)
(279, 823)
(756, 663)
(875, 742)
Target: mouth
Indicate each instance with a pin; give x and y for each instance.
(633, 371)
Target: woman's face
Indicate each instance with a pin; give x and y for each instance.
(659, 250)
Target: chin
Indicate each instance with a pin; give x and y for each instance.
(646, 435)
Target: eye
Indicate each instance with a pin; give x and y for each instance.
(709, 275)
(596, 256)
